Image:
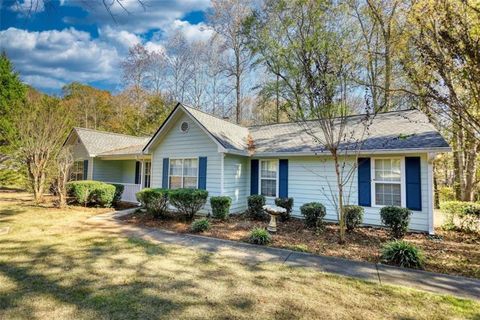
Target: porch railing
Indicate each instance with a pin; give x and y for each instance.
(129, 192)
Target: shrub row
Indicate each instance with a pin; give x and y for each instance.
(187, 201)
(97, 193)
(461, 215)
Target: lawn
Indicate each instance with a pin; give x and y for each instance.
(448, 252)
(55, 265)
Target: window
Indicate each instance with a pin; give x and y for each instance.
(387, 182)
(77, 171)
(268, 178)
(184, 127)
(147, 174)
(183, 173)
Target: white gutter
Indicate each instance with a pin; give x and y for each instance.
(327, 153)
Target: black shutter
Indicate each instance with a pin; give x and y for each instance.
(413, 183)
(364, 182)
(254, 176)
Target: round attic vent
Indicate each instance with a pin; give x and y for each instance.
(184, 127)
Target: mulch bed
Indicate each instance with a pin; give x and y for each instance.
(446, 252)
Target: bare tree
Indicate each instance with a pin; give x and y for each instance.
(64, 163)
(227, 20)
(302, 42)
(42, 125)
(179, 59)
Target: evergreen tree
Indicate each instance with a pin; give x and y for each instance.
(12, 96)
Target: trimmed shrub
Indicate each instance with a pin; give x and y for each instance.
(200, 225)
(155, 201)
(87, 192)
(255, 207)
(403, 254)
(220, 206)
(259, 236)
(188, 201)
(314, 212)
(461, 215)
(103, 195)
(119, 188)
(286, 203)
(353, 216)
(397, 219)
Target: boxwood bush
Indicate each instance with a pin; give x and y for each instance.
(396, 219)
(200, 225)
(255, 207)
(88, 192)
(220, 206)
(188, 201)
(461, 215)
(259, 236)
(314, 212)
(155, 201)
(403, 254)
(286, 203)
(353, 216)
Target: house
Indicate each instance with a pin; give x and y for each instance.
(192, 149)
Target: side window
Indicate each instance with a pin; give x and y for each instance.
(268, 178)
(387, 182)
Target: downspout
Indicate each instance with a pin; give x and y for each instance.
(431, 204)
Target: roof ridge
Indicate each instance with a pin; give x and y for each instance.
(213, 116)
(349, 116)
(112, 133)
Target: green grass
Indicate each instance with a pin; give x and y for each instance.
(54, 265)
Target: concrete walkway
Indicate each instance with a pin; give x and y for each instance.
(379, 273)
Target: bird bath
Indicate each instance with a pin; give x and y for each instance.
(274, 212)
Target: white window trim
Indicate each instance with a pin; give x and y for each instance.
(260, 177)
(75, 171)
(180, 158)
(144, 171)
(403, 198)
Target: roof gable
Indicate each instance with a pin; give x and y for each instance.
(228, 136)
(103, 143)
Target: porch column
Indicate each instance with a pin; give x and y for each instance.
(142, 175)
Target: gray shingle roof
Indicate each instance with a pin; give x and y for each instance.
(399, 130)
(229, 135)
(409, 129)
(108, 143)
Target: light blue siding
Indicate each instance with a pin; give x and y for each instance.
(236, 181)
(313, 179)
(194, 143)
(114, 170)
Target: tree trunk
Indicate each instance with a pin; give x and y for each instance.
(237, 85)
(436, 198)
(341, 214)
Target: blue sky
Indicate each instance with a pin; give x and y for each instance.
(54, 42)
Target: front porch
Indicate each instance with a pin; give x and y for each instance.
(133, 174)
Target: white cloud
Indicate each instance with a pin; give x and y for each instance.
(28, 7)
(192, 32)
(121, 39)
(138, 18)
(51, 58)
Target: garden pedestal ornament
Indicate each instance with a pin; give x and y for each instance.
(274, 212)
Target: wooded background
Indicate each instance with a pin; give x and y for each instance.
(373, 55)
